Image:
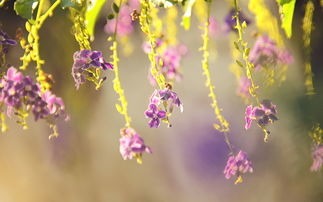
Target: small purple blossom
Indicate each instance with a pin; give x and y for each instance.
(264, 114)
(230, 21)
(166, 98)
(237, 165)
(317, 155)
(55, 104)
(155, 114)
(132, 145)
(86, 59)
(171, 98)
(266, 53)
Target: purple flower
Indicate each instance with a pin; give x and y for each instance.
(5, 39)
(168, 99)
(19, 92)
(266, 53)
(317, 157)
(31, 90)
(231, 22)
(264, 114)
(237, 165)
(132, 145)
(55, 104)
(39, 108)
(85, 59)
(155, 114)
(171, 98)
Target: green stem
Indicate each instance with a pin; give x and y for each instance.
(116, 82)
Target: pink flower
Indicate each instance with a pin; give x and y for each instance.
(266, 53)
(317, 158)
(238, 165)
(132, 145)
(125, 24)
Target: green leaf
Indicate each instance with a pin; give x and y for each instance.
(25, 8)
(115, 8)
(239, 63)
(91, 16)
(69, 3)
(282, 2)
(110, 17)
(286, 13)
(186, 20)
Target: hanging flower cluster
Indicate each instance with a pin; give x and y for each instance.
(85, 62)
(132, 145)
(125, 24)
(21, 95)
(166, 99)
(168, 61)
(265, 53)
(317, 158)
(238, 165)
(263, 115)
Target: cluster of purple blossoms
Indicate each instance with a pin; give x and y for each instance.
(317, 157)
(132, 145)
(264, 114)
(238, 165)
(85, 59)
(168, 99)
(19, 92)
(5, 41)
(230, 21)
(125, 24)
(265, 53)
(168, 61)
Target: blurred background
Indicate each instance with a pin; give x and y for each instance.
(84, 164)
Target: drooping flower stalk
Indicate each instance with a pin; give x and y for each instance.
(307, 30)
(242, 90)
(149, 21)
(224, 125)
(267, 23)
(81, 35)
(32, 48)
(131, 144)
(242, 46)
(316, 134)
(145, 21)
(123, 109)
